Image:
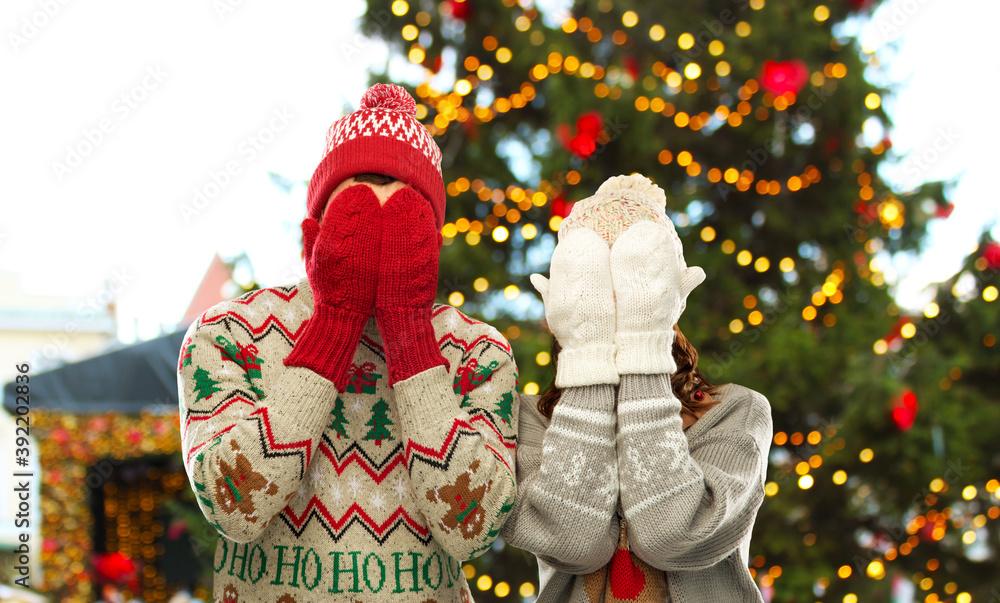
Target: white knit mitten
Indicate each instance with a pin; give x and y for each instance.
(651, 286)
(580, 309)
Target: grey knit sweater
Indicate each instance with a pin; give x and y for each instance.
(689, 498)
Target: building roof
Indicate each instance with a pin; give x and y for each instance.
(211, 290)
(126, 380)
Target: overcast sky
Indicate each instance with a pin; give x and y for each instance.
(138, 137)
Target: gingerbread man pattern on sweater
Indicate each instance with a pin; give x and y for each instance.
(373, 494)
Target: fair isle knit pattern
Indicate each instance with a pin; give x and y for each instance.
(377, 119)
(689, 498)
(374, 494)
(383, 137)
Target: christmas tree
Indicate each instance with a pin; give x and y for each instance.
(339, 420)
(204, 385)
(505, 407)
(757, 119)
(379, 423)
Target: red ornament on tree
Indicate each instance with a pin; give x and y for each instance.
(786, 76)
(116, 568)
(943, 211)
(590, 124)
(991, 253)
(904, 410)
(631, 67)
(588, 131)
(859, 4)
(60, 436)
(432, 63)
(832, 144)
(460, 9)
(471, 130)
(560, 207)
(895, 335)
(583, 146)
(177, 529)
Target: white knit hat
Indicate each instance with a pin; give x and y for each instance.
(619, 203)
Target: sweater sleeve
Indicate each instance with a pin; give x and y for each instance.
(245, 450)
(568, 482)
(460, 449)
(686, 507)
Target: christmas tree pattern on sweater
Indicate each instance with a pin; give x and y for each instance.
(316, 489)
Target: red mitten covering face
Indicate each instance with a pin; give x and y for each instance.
(407, 284)
(341, 257)
(342, 253)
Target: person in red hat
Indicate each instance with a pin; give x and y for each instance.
(347, 437)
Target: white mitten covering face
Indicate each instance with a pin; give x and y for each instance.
(580, 309)
(651, 285)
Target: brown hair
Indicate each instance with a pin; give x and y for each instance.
(376, 179)
(685, 382)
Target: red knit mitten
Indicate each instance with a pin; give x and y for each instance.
(407, 284)
(342, 265)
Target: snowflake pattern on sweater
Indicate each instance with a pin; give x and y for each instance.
(371, 494)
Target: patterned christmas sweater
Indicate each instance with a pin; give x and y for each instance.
(374, 494)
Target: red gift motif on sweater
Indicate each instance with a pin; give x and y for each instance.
(186, 350)
(362, 378)
(246, 358)
(471, 376)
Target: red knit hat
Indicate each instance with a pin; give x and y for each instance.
(382, 137)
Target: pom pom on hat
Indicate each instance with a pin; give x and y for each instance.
(638, 183)
(389, 97)
(619, 203)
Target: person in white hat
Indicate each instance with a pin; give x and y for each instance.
(638, 480)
